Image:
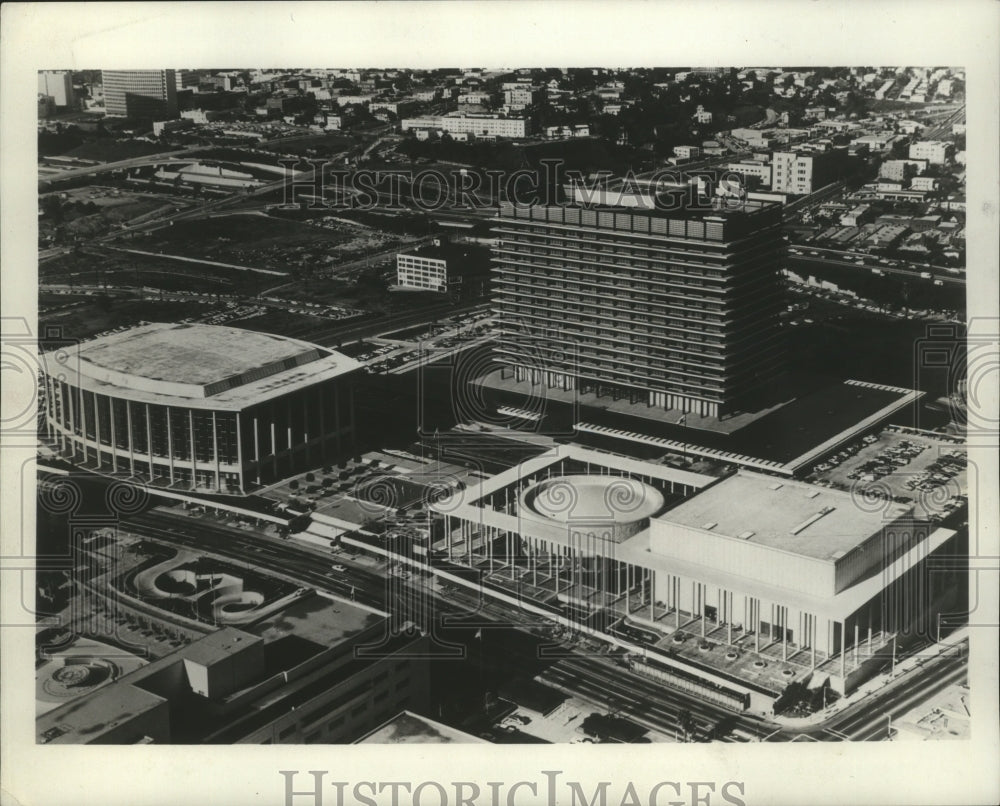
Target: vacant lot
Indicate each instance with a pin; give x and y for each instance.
(82, 317)
(90, 211)
(322, 145)
(95, 266)
(294, 325)
(261, 241)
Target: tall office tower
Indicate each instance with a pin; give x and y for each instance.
(677, 310)
(140, 93)
(185, 79)
(58, 85)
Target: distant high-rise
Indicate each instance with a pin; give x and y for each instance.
(802, 172)
(140, 93)
(673, 309)
(186, 79)
(56, 84)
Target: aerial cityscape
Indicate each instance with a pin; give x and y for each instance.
(517, 406)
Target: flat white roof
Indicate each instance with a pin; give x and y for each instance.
(783, 514)
(207, 366)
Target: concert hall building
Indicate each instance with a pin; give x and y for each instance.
(193, 407)
(749, 581)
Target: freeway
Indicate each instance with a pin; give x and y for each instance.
(202, 210)
(864, 262)
(166, 157)
(104, 167)
(598, 680)
(594, 678)
(254, 549)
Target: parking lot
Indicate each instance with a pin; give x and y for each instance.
(914, 467)
(375, 487)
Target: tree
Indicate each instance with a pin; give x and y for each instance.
(791, 697)
(52, 208)
(686, 723)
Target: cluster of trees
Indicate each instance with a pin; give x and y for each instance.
(63, 138)
(797, 698)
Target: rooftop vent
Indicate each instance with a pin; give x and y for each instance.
(746, 535)
(812, 493)
(776, 486)
(709, 526)
(811, 520)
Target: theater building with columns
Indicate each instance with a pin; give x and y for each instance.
(202, 408)
(749, 581)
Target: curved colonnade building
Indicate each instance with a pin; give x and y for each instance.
(199, 407)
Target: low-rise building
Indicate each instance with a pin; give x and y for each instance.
(354, 99)
(887, 237)
(925, 183)
(755, 168)
(687, 152)
(294, 678)
(519, 95)
(877, 141)
(477, 125)
(474, 99)
(936, 152)
(901, 170)
(857, 216)
(702, 116)
(161, 127)
(202, 117)
(195, 407)
(579, 130)
(402, 106)
(439, 267)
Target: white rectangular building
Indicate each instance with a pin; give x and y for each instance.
(811, 582)
(476, 125)
(58, 85)
(422, 272)
(935, 152)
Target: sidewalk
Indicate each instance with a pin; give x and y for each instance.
(878, 682)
